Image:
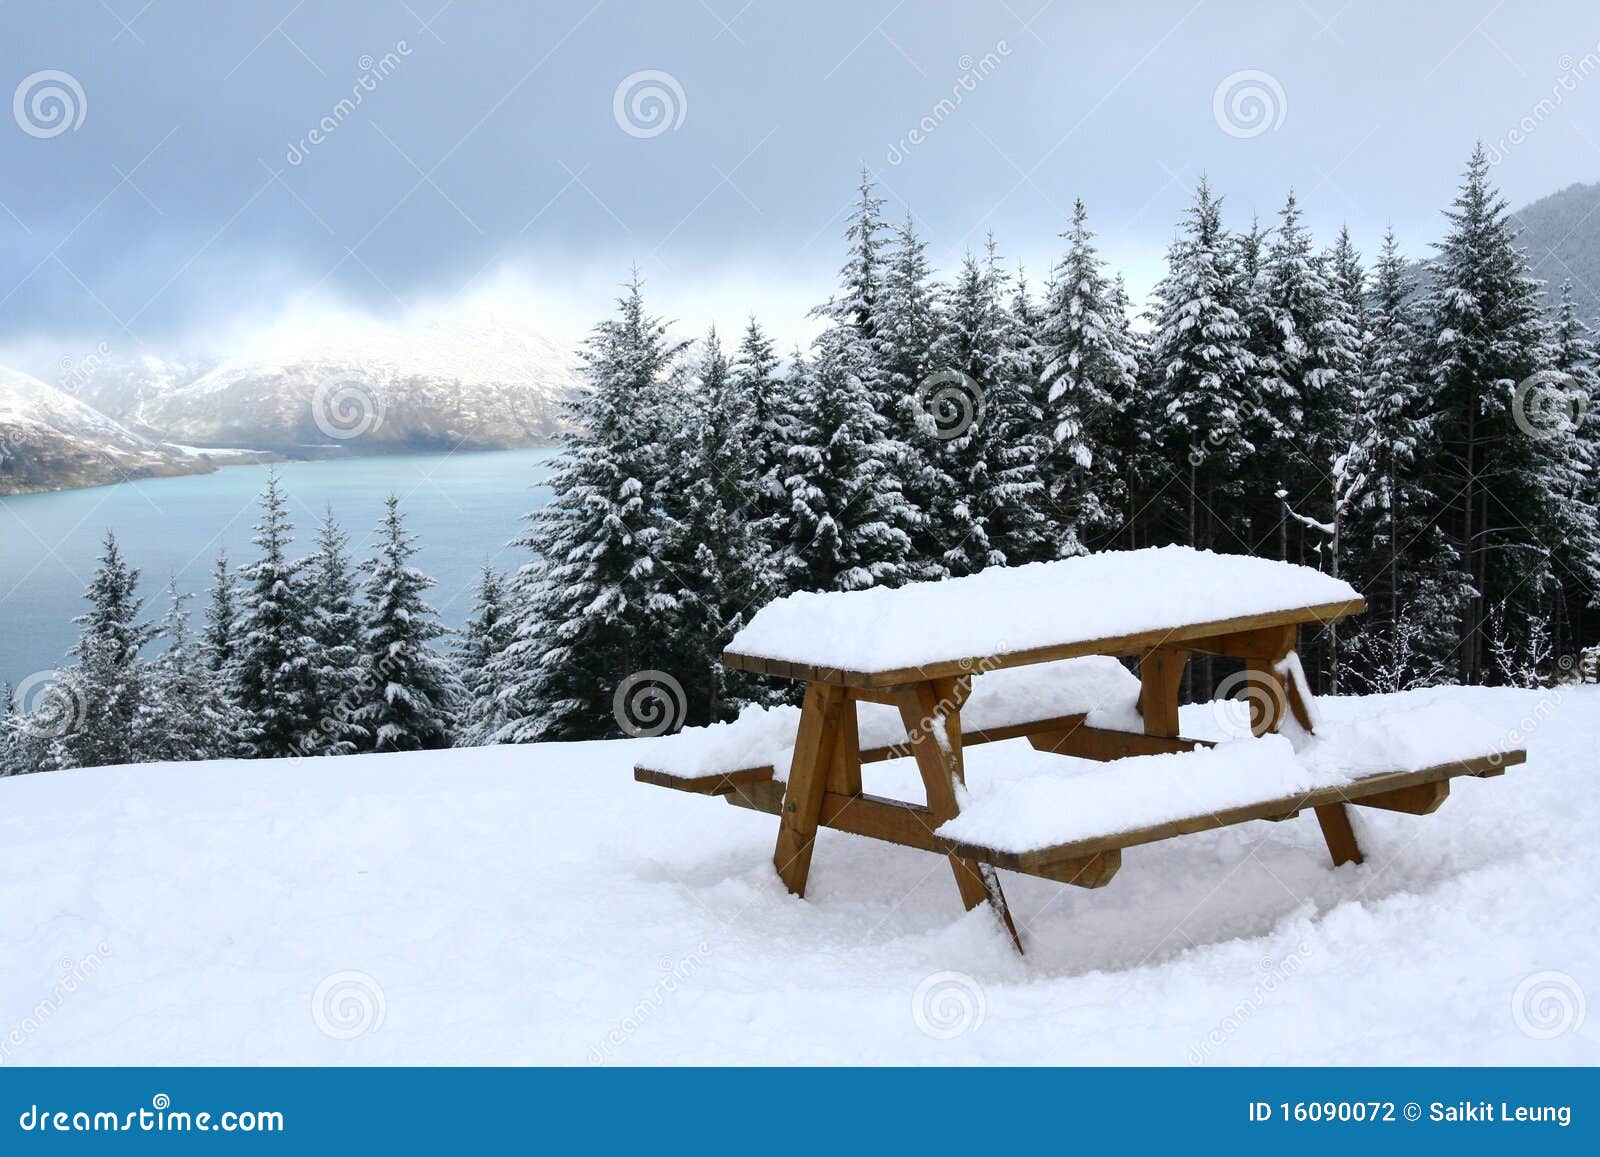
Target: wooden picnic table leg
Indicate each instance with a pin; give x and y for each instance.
(808, 779)
(932, 716)
(1281, 696)
(1160, 675)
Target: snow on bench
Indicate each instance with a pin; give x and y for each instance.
(1175, 592)
(1021, 800)
(760, 742)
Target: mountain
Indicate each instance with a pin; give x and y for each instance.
(1561, 233)
(482, 386)
(49, 440)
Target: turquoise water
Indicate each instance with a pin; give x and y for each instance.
(464, 506)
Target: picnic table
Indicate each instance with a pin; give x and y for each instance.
(1033, 654)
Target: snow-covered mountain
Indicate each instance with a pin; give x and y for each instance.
(1561, 233)
(49, 440)
(369, 390)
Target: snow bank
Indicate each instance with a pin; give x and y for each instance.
(1006, 609)
(534, 905)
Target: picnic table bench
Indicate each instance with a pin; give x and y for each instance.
(1024, 665)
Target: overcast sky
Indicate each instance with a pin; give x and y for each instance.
(176, 183)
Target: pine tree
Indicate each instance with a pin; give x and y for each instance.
(485, 635)
(755, 374)
(906, 331)
(1574, 475)
(409, 693)
(714, 550)
(1392, 548)
(593, 605)
(334, 624)
(1304, 382)
(106, 684)
(274, 667)
(1486, 333)
(217, 638)
(847, 515)
(1088, 374)
(183, 716)
(1201, 370)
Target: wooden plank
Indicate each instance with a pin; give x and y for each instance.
(1160, 674)
(1282, 808)
(808, 773)
(1421, 800)
(718, 784)
(1339, 835)
(1132, 644)
(940, 764)
(981, 735)
(1102, 743)
(1261, 643)
(1089, 872)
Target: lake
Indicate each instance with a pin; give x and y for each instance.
(463, 506)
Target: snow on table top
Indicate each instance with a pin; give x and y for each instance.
(1006, 609)
(765, 735)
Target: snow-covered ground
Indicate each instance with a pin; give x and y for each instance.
(535, 905)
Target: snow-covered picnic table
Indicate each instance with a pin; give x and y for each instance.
(1029, 659)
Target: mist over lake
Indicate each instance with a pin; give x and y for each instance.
(463, 507)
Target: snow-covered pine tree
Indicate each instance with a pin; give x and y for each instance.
(755, 374)
(106, 684)
(1575, 467)
(906, 329)
(334, 623)
(1301, 423)
(12, 737)
(273, 673)
(1130, 433)
(482, 638)
(847, 515)
(217, 636)
(183, 717)
(409, 693)
(1392, 549)
(1201, 369)
(593, 606)
(1088, 374)
(714, 550)
(1486, 333)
